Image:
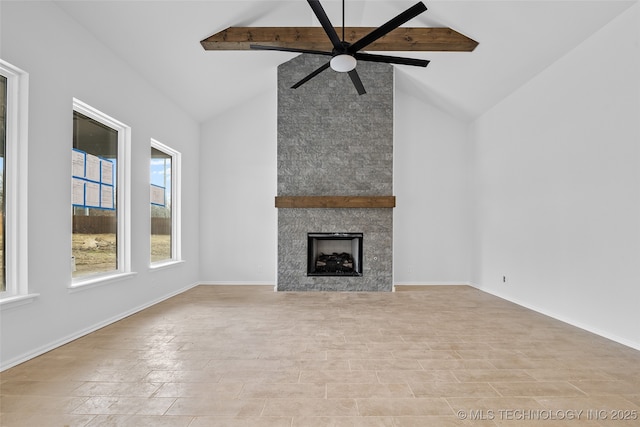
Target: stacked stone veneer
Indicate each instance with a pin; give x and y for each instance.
(333, 142)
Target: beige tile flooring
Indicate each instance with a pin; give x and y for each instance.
(247, 356)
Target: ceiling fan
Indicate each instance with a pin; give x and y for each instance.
(345, 55)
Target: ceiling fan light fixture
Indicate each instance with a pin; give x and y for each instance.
(343, 63)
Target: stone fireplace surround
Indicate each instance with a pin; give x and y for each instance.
(334, 142)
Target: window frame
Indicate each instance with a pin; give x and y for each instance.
(176, 206)
(123, 197)
(16, 164)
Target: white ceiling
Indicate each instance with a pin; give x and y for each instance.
(518, 39)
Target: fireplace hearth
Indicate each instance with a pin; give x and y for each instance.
(334, 254)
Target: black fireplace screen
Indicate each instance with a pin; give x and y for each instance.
(334, 254)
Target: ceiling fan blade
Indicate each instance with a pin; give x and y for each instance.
(310, 76)
(390, 25)
(289, 49)
(355, 78)
(390, 59)
(326, 24)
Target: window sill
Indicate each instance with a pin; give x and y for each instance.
(17, 300)
(81, 285)
(161, 265)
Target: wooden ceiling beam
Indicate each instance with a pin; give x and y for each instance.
(400, 39)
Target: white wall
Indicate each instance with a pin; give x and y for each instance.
(64, 61)
(558, 196)
(238, 224)
(432, 169)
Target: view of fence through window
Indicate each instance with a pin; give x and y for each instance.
(3, 144)
(160, 206)
(95, 152)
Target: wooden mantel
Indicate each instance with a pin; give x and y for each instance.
(335, 201)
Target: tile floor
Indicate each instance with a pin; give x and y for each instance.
(247, 356)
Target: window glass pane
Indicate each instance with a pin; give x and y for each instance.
(3, 144)
(94, 243)
(161, 233)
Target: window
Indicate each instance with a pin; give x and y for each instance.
(100, 213)
(165, 207)
(3, 176)
(13, 188)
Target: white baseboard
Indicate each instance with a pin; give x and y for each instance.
(223, 283)
(432, 284)
(563, 318)
(79, 334)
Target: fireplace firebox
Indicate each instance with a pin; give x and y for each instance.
(334, 254)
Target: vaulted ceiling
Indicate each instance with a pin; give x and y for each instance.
(517, 40)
